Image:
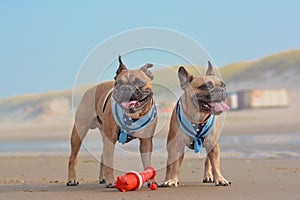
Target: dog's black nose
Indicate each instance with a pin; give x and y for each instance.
(219, 90)
(128, 88)
(128, 92)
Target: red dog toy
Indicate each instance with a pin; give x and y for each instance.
(134, 180)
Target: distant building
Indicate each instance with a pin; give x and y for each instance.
(258, 98)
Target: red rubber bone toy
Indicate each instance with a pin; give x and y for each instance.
(134, 180)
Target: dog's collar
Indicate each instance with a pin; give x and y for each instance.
(128, 125)
(199, 132)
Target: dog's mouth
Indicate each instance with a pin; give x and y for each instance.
(212, 107)
(213, 103)
(219, 107)
(133, 105)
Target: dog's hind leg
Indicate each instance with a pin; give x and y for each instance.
(76, 140)
(101, 173)
(84, 120)
(106, 165)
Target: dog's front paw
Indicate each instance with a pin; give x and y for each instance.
(169, 183)
(109, 185)
(222, 182)
(72, 183)
(159, 183)
(208, 179)
(102, 181)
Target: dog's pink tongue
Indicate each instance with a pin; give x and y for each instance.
(220, 107)
(128, 104)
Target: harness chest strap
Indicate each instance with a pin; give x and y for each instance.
(199, 132)
(127, 125)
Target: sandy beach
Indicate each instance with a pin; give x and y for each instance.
(270, 172)
(44, 178)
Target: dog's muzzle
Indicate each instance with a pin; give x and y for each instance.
(131, 98)
(217, 94)
(212, 102)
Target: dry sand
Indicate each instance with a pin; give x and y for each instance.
(45, 177)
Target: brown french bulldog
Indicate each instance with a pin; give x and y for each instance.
(123, 110)
(194, 123)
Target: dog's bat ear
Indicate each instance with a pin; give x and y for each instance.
(121, 67)
(184, 77)
(146, 71)
(210, 71)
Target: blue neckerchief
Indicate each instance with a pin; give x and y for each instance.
(187, 127)
(126, 129)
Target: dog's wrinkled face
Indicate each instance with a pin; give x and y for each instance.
(133, 88)
(206, 93)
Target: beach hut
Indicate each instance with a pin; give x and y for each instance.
(269, 98)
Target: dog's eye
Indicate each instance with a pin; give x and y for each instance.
(223, 84)
(118, 83)
(202, 87)
(138, 82)
(206, 86)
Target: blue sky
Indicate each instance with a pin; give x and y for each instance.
(43, 43)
